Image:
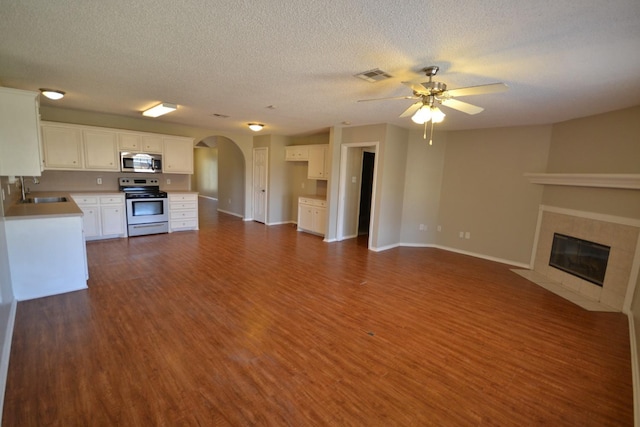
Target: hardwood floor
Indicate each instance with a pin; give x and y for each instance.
(244, 324)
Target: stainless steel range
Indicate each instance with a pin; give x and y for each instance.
(147, 206)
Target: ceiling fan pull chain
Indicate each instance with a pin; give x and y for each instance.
(424, 136)
(431, 134)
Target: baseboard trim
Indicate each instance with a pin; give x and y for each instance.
(635, 369)
(6, 352)
(230, 213)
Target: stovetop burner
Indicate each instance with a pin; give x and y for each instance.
(141, 188)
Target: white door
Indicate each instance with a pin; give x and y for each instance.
(260, 161)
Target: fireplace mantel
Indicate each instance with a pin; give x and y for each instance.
(601, 180)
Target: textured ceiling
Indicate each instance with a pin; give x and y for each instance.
(561, 59)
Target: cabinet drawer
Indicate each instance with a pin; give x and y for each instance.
(187, 223)
(112, 200)
(183, 197)
(183, 214)
(181, 206)
(85, 200)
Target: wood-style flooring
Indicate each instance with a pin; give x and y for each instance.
(243, 324)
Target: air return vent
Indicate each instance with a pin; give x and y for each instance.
(374, 75)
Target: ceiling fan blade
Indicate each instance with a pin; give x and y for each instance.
(416, 87)
(412, 109)
(478, 90)
(385, 99)
(465, 107)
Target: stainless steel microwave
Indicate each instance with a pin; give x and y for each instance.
(140, 162)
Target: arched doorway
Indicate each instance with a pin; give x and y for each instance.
(219, 173)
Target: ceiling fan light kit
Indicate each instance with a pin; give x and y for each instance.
(430, 94)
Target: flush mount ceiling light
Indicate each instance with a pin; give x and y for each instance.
(255, 126)
(160, 109)
(52, 94)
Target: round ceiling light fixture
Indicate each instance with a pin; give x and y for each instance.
(256, 126)
(52, 93)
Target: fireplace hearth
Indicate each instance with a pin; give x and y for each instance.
(581, 258)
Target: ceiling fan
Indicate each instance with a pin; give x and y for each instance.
(430, 94)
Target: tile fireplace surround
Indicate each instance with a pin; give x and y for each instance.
(621, 234)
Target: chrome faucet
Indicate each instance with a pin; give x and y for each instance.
(23, 193)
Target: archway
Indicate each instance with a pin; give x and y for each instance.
(219, 173)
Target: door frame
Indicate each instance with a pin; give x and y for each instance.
(342, 187)
(256, 184)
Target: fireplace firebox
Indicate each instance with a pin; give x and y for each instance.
(581, 258)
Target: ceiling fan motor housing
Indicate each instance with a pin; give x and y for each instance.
(434, 88)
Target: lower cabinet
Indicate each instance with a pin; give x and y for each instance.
(104, 215)
(183, 211)
(312, 215)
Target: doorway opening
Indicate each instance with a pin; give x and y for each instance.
(357, 189)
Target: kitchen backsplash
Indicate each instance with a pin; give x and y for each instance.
(71, 181)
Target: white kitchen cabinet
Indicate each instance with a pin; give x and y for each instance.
(178, 155)
(104, 215)
(100, 150)
(317, 162)
(297, 153)
(62, 147)
(312, 215)
(140, 143)
(47, 256)
(183, 211)
(20, 141)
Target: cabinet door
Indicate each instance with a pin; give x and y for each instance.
(305, 217)
(91, 221)
(319, 220)
(151, 144)
(112, 220)
(129, 142)
(62, 147)
(100, 150)
(19, 133)
(178, 155)
(316, 162)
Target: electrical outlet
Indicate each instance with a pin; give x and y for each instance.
(168, 181)
(354, 179)
(467, 235)
(439, 228)
(461, 234)
(302, 185)
(99, 181)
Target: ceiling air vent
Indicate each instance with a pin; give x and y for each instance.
(220, 116)
(374, 75)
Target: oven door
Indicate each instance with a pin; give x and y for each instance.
(145, 211)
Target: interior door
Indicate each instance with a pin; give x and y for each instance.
(260, 161)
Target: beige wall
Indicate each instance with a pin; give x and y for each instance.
(485, 193)
(607, 143)
(205, 166)
(423, 181)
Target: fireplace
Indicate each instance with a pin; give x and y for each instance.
(596, 234)
(581, 258)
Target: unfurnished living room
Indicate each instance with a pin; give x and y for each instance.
(320, 213)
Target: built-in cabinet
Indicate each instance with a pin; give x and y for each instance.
(78, 147)
(19, 133)
(183, 211)
(312, 215)
(104, 215)
(315, 155)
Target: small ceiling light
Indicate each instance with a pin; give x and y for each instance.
(256, 126)
(160, 109)
(437, 116)
(52, 94)
(423, 115)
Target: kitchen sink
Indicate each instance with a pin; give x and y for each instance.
(45, 200)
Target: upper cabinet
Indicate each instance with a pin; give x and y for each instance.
(178, 155)
(78, 147)
(62, 147)
(316, 155)
(19, 133)
(101, 150)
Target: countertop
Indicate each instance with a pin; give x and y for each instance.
(42, 210)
